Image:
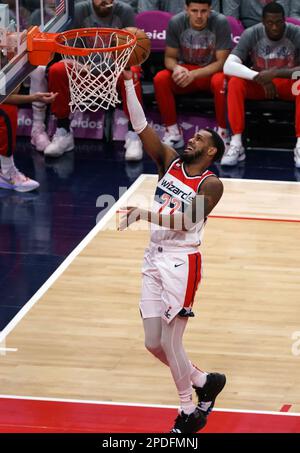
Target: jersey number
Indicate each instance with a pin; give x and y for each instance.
(167, 200)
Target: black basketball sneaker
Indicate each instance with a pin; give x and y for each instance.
(207, 394)
(191, 423)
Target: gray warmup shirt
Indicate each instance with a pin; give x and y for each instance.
(172, 6)
(121, 15)
(250, 11)
(267, 54)
(199, 47)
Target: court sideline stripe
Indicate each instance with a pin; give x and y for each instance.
(70, 258)
(154, 406)
(257, 219)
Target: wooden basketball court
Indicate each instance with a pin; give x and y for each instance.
(80, 337)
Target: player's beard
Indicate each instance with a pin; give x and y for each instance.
(191, 158)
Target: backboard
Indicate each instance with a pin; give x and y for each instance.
(16, 17)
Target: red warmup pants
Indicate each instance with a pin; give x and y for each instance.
(8, 129)
(58, 83)
(241, 89)
(166, 89)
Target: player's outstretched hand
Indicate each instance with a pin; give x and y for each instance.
(129, 215)
(127, 74)
(47, 98)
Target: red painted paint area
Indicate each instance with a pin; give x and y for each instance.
(23, 416)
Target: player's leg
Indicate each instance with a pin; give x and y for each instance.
(238, 91)
(190, 418)
(38, 83)
(165, 92)
(165, 98)
(286, 92)
(207, 386)
(178, 302)
(218, 86)
(153, 343)
(151, 306)
(10, 176)
(63, 139)
(177, 299)
(153, 337)
(171, 342)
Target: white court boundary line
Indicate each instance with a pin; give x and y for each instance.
(97, 228)
(154, 406)
(70, 258)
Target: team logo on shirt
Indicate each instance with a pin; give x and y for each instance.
(278, 55)
(167, 313)
(173, 188)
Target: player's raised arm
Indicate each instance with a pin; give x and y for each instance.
(160, 153)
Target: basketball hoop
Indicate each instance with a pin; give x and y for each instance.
(94, 59)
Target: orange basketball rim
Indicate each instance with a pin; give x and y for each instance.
(41, 46)
(94, 59)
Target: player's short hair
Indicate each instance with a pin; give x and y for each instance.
(187, 2)
(273, 8)
(217, 143)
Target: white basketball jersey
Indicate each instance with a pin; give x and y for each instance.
(174, 193)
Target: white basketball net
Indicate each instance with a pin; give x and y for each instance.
(93, 78)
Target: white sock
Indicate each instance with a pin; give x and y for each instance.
(236, 140)
(198, 377)
(174, 129)
(186, 401)
(39, 112)
(38, 117)
(38, 126)
(298, 142)
(7, 163)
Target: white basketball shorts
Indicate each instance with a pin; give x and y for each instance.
(170, 280)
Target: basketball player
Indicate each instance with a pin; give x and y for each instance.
(258, 68)
(198, 43)
(10, 176)
(171, 6)
(172, 263)
(250, 12)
